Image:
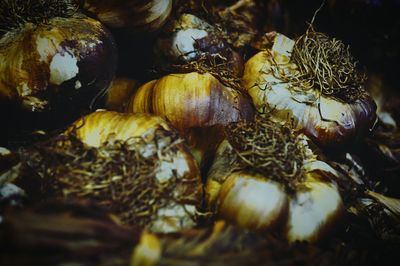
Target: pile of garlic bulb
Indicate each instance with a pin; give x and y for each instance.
(173, 115)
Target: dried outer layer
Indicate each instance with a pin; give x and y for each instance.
(242, 20)
(192, 102)
(56, 233)
(66, 62)
(224, 244)
(385, 146)
(327, 121)
(8, 159)
(135, 16)
(145, 175)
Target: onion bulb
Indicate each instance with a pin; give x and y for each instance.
(195, 104)
(52, 57)
(300, 82)
(264, 178)
(134, 165)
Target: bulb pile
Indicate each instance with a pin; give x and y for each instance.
(200, 127)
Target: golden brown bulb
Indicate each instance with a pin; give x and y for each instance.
(194, 103)
(134, 16)
(328, 121)
(63, 63)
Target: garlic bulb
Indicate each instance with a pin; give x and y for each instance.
(190, 38)
(134, 165)
(264, 178)
(330, 116)
(134, 15)
(54, 61)
(195, 104)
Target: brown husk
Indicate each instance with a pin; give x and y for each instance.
(383, 223)
(15, 13)
(239, 21)
(268, 148)
(386, 144)
(228, 245)
(116, 175)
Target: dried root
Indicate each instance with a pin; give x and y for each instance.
(268, 148)
(325, 64)
(119, 176)
(215, 64)
(15, 13)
